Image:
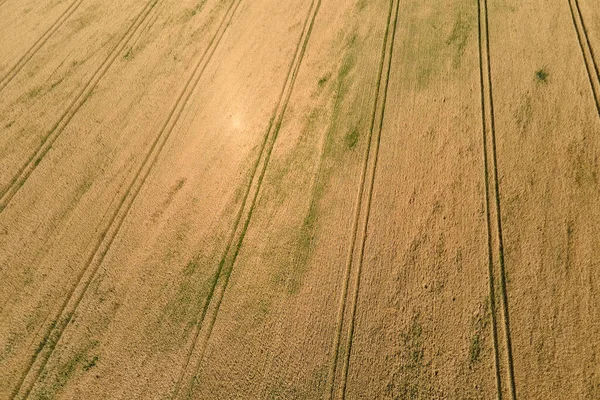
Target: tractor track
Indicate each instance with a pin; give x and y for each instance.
(25, 171)
(14, 70)
(587, 51)
(221, 278)
(337, 384)
(496, 270)
(56, 329)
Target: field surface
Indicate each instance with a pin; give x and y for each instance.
(303, 199)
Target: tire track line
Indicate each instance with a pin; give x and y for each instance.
(62, 127)
(148, 25)
(491, 281)
(362, 212)
(587, 51)
(496, 271)
(71, 303)
(14, 70)
(48, 140)
(221, 277)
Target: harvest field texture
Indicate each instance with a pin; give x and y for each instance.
(300, 199)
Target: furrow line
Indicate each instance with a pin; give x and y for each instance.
(488, 218)
(14, 70)
(362, 211)
(48, 140)
(221, 278)
(147, 27)
(111, 229)
(587, 51)
(496, 270)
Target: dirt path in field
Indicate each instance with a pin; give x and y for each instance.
(315, 199)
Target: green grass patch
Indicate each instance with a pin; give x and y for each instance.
(129, 54)
(541, 75)
(56, 83)
(35, 92)
(584, 163)
(185, 301)
(90, 363)
(58, 378)
(351, 138)
(192, 12)
(323, 80)
(479, 329)
(475, 349)
(459, 37)
(412, 375)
